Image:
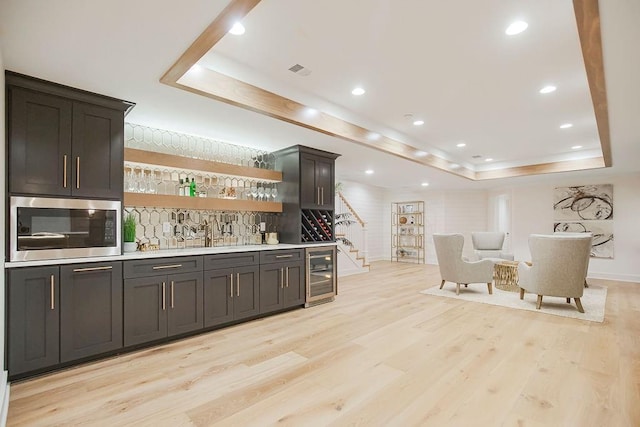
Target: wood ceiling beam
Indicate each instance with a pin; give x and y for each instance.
(238, 93)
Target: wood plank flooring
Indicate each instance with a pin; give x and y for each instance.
(380, 355)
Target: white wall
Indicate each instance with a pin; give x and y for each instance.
(368, 202)
(532, 212)
(445, 212)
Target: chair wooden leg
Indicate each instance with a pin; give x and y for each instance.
(568, 300)
(579, 305)
(539, 302)
(521, 293)
(585, 283)
(490, 288)
(442, 284)
(466, 285)
(457, 288)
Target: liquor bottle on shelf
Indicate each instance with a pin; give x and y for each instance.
(181, 188)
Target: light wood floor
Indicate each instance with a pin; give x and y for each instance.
(380, 355)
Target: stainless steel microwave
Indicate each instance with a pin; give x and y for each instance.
(52, 228)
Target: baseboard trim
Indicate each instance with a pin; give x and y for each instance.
(613, 276)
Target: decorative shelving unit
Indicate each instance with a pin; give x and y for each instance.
(407, 232)
(149, 159)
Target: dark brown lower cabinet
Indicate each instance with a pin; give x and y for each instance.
(60, 314)
(90, 309)
(160, 306)
(231, 294)
(34, 320)
(281, 286)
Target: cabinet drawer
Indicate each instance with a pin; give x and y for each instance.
(216, 261)
(282, 255)
(161, 266)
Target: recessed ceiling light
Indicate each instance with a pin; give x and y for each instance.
(358, 91)
(425, 184)
(462, 144)
(488, 159)
(566, 126)
(369, 171)
(516, 28)
(421, 154)
(576, 147)
(454, 166)
(418, 122)
(548, 89)
(237, 29)
(373, 136)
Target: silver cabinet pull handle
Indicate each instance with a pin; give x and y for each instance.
(164, 303)
(284, 256)
(64, 167)
(172, 294)
(52, 286)
(164, 267)
(237, 284)
(287, 274)
(78, 172)
(281, 279)
(318, 196)
(231, 287)
(78, 270)
(322, 195)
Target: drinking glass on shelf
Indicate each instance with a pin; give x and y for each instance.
(274, 192)
(267, 192)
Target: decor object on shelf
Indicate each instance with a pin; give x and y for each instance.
(586, 209)
(488, 244)
(559, 266)
(454, 269)
(407, 232)
(130, 233)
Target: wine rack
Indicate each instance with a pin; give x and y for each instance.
(316, 225)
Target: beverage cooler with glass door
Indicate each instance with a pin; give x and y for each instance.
(322, 285)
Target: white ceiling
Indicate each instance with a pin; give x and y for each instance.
(446, 62)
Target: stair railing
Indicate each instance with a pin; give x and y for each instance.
(356, 233)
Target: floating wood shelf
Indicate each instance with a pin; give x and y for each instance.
(199, 203)
(186, 163)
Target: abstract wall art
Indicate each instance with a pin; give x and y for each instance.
(586, 209)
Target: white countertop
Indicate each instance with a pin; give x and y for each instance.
(165, 253)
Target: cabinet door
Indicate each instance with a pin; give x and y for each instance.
(91, 309)
(185, 294)
(218, 297)
(98, 151)
(324, 181)
(271, 287)
(145, 309)
(309, 192)
(246, 299)
(294, 289)
(34, 322)
(39, 143)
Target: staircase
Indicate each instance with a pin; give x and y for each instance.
(351, 234)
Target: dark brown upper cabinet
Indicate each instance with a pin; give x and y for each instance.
(63, 141)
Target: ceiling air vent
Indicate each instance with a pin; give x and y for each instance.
(477, 156)
(300, 70)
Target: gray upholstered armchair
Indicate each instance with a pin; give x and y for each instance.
(453, 268)
(488, 244)
(559, 266)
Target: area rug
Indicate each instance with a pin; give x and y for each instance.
(593, 300)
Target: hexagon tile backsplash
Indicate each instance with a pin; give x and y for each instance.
(185, 228)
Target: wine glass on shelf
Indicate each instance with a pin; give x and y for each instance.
(254, 190)
(261, 191)
(274, 192)
(267, 192)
